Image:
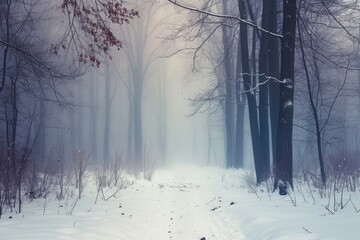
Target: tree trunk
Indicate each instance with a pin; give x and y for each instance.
(14, 124)
(263, 90)
(79, 119)
(138, 144)
(284, 158)
(314, 111)
(93, 115)
(73, 130)
(274, 97)
(41, 144)
(253, 115)
(130, 141)
(162, 119)
(107, 119)
(240, 111)
(6, 49)
(229, 99)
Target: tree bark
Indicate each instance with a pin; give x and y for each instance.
(253, 114)
(240, 111)
(273, 73)
(263, 89)
(284, 158)
(229, 99)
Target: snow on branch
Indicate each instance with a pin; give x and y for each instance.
(249, 23)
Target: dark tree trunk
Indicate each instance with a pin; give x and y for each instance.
(263, 89)
(273, 73)
(42, 133)
(240, 111)
(255, 35)
(14, 122)
(6, 49)
(253, 59)
(253, 115)
(284, 158)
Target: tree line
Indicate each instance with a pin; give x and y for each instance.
(267, 57)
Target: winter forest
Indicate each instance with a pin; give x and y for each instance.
(179, 119)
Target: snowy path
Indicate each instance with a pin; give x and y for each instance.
(183, 204)
(176, 205)
(185, 208)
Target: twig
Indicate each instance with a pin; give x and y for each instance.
(306, 230)
(329, 210)
(356, 210)
(97, 194)
(73, 206)
(249, 23)
(293, 200)
(112, 195)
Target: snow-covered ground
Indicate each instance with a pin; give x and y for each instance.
(185, 203)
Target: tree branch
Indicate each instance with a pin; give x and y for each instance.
(247, 22)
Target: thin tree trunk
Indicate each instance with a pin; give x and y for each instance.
(130, 142)
(263, 90)
(240, 111)
(274, 73)
(73, 130)
(229, 99)
(14, 125)
(314, 111)
(79, 119)
(138, 144)
(107, 119)
(253, 115)
(42, 133)
(93, 115)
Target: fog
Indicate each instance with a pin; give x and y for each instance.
(179, 119)
(80, 122)
(160, 99)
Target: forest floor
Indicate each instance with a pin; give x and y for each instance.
(188, 203)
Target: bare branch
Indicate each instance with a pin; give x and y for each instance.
(247, 22)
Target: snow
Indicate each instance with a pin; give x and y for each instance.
(288, 104)
(183, 203)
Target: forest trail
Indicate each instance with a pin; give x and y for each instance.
(189, 203)
(180, 204)
(188, 207)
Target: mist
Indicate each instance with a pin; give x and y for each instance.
(217, 99)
